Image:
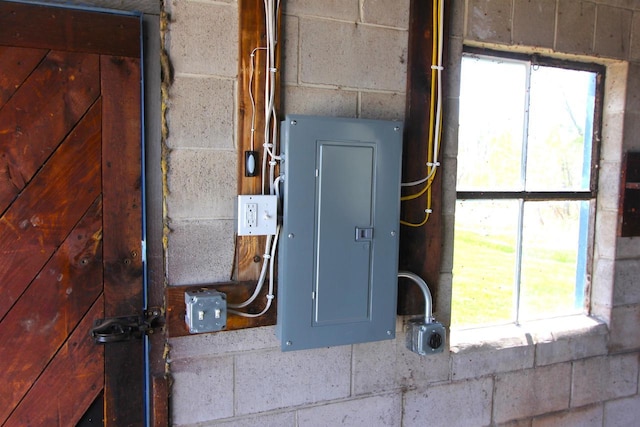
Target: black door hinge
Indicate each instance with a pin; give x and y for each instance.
(125, 328)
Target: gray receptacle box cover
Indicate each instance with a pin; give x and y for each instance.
(338, 256)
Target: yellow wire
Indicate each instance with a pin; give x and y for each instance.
(427, 187)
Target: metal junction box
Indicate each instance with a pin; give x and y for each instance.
(338, 256)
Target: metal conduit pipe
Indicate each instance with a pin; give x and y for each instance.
(428, 302)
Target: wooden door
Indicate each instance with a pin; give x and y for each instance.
(70, 213)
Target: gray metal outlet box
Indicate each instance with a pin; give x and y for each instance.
(338, 256)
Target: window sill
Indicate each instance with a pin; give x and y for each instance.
(558, 339)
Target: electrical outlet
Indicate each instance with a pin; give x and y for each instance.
(257, 215)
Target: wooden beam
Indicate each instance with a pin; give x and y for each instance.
(249, 249)
(235, 291)
(420, 248)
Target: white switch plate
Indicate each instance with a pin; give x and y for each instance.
(257, 215)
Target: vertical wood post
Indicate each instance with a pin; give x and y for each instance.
(249, 249)
(420, 248)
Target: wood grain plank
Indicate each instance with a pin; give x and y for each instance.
(252, 35)
(41, 114)
(77, 369)
(122, 181)
(236, 292)
(45, 212)
(67, 29)
(420, 248)
(16, 64)
(41, 320)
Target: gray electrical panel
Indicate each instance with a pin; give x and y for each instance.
(338, 251)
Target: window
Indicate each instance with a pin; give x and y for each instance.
(526, 188)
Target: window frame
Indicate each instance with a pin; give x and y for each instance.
(590, 195)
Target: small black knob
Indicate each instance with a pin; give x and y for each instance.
(435, 340)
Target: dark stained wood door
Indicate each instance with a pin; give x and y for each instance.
(70, 213)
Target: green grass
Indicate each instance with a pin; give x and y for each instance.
(483, 280)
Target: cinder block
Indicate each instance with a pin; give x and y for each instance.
(395, 367)
(604, 378)
(605, 236)
(201, 390)
(628, 247)
(622, 412)
(459, 404)
(575, 342)
(633, 91)
(384, 410)
(271, 379)
(534, 22)
(202, 184)
(615, 88)
(223, 343)
(392, 13)
(631, 127)
(576, 24)
(346, 10)
(321, 102)
(626, 290)
(608, 186)
(203, 38)
(289, 59)
(590, 416)
(625, 333)
(353, 56)
(613, 32)
(602, 288)
(456, 18)
(532, 392)
(382, 106)
(634, 54)
(201, 112)
(489, 21)
(478, 363)
(200, 251)
(263, 420)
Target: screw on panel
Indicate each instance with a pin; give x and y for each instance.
(388, 332)
(293, 122)
(291, 236)
(289, 343)
(397, 128)
(393, 233)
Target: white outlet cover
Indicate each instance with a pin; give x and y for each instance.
(261, 222)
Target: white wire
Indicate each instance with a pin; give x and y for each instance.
(436, 138)
(253, 102)
(271, 280)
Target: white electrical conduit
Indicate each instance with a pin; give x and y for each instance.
(428, 302)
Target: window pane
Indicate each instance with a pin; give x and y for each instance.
(491, 125)
(560, 127)
(550, 257)
(484, 262)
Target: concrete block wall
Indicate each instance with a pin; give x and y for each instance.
(348, 58)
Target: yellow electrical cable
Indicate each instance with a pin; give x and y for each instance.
(430, 170)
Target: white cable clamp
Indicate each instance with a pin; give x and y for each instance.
(428, 211)
(437, 67)
(266, 256)
(267, 145)
(273, 163)
(273, 70)
(270, 296)
(436, 164)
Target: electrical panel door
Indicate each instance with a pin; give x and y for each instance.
(338, 256)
